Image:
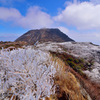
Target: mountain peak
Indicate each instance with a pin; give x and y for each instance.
(44, 35)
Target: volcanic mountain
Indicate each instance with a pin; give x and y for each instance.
(44, 35)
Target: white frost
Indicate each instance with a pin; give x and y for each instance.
(85, 50)
(26, 73)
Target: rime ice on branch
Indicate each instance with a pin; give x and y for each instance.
(26, 74)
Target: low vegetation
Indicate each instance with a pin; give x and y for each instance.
(28, 74)
(67, 85)
(9, 44)
(92, 88)
(78, 64)
(34, 74)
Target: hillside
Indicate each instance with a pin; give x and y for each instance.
(44, 35)
(33, 74)
(51, 71)
(85, 50)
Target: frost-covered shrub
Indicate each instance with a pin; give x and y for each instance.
(26, 74)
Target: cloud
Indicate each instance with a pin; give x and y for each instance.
(9, 14)
(64, 30)
(9, 36)
(83, 16)
(93, 37)
(34, 18)
(95, 1)
(75, 1)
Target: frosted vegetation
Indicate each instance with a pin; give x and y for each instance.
(26, 74)
(85, 50)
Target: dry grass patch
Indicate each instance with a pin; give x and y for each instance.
(92, 89)
(67, 86)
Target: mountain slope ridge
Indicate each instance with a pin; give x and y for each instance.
(44, 35)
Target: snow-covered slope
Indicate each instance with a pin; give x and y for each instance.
(85, 50)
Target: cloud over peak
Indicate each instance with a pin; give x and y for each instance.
(83, 16)
(35, 18)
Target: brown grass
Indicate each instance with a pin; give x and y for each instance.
(68, 87)
(92, 88)
(67, 84)
(14, 44)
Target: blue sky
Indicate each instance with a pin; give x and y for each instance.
(79, 19)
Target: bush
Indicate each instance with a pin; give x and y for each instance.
(76, 61)
(70, 59)
(81, 60)
(72, 64)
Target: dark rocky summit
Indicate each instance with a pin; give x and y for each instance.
(44, 35)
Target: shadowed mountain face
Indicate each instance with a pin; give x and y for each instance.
(44, 35)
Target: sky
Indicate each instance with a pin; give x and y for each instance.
(79, 19)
